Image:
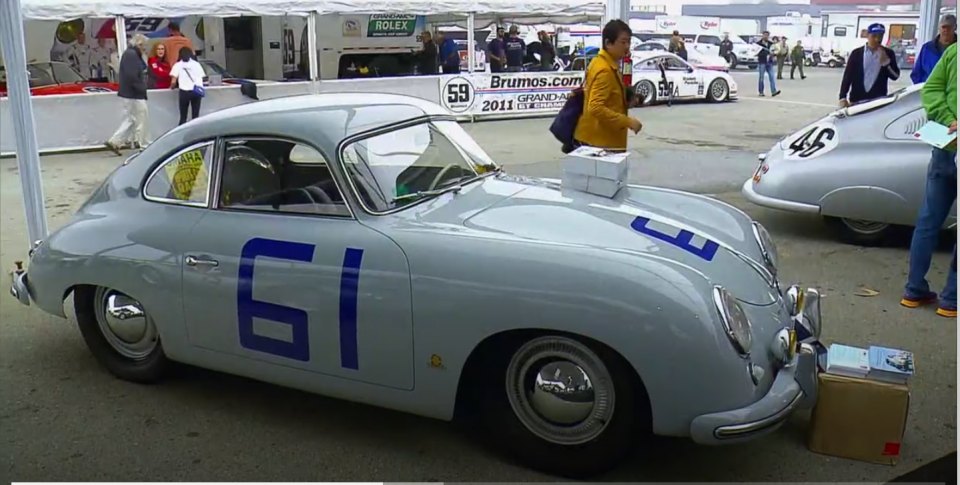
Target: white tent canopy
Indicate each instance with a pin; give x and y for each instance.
(565, 11)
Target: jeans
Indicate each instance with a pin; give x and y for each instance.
(941, 192)
(189, 100)
(768, 69)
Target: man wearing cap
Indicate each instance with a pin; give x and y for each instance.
(869, 69)
(939, 98)
(931, 51)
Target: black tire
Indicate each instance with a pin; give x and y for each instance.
(831, 63)
(715, 87)
(146, 370)
(641, 90)
(630, 420)
(863, 233)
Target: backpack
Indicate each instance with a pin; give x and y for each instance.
(565, 123)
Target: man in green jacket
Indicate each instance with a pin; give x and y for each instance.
(939, 99)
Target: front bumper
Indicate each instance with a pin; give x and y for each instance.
(794, 387)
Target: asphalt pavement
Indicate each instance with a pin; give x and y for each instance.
(62, 417)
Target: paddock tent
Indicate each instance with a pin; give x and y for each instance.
(438, 11)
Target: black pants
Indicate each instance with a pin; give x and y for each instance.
(188, 98)
(795, 66)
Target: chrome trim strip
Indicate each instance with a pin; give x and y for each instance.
(739, 430)
(784, 205)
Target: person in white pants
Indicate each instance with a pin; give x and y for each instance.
(133, 130)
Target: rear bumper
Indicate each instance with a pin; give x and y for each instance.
(785, 205)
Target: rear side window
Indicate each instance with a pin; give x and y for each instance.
(184, 178)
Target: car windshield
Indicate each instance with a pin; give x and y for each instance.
(50, 73)
(397, 168)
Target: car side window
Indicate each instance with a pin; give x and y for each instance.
(272, 175)
(709, 39)
(183, 178)
(673, 64)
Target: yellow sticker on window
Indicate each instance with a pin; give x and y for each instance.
(187, 175)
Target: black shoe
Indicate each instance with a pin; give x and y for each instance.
(776, 93)
(804, 77)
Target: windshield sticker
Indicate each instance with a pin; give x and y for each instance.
(682, 240)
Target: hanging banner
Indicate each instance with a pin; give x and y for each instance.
(508, 93)
(393, 25)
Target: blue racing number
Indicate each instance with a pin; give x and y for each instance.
(298, 348)
(681, 240)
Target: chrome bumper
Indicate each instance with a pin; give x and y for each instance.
(18, 286)
(795, 386)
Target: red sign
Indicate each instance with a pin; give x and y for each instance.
(709, 24)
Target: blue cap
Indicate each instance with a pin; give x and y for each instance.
(876, 29)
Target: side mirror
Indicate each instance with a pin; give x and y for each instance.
(690, 69)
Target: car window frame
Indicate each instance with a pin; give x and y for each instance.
(218, 167)
(173, 156)
(420, 120)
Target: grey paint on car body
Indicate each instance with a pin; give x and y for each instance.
(438, 277)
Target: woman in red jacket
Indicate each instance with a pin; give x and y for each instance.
(159, 67)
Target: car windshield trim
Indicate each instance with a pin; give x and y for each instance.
(482, 168)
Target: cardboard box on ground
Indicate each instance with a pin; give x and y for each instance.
(862, 415)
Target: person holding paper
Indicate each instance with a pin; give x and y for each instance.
(605, 118)
(939, 98)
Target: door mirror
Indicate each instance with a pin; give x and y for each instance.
(689, 68)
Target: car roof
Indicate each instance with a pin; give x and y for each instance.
(323, 119)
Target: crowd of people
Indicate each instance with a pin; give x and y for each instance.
(171, 64)
(506, 52)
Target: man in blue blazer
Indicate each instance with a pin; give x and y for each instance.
(931, 51)
(869, 69)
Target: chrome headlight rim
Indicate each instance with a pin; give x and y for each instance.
(734, 320)
(767, 247)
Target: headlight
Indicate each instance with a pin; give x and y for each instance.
(735, 322)
(767, 247)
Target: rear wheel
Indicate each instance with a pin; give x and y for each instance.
(646, 93)
(119, 333)
(562, 405)
(832, 63)
(861, 232)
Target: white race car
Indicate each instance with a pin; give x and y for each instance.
(661, 76)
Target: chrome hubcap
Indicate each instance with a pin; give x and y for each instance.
(124, 324)
(645, 92)
(560, 390)
(865, 227)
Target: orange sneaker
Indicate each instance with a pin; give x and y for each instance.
(917, 302)
(947, 312)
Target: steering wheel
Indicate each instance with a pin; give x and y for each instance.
(319, 195)
(439, 177)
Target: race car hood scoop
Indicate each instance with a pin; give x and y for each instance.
(696, 231)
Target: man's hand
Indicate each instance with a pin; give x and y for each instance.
(953, 128)
(635, 125)
(844, 103)
(884, 60)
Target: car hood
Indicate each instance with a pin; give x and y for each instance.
(703, 234)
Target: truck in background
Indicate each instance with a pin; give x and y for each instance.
(843, 31)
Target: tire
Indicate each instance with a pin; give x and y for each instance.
(863, 233)
(646, 92)
(831, 63)
(578, 449)
(142, 362)
(718, 91)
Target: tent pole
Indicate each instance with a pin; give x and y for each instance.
(471, 42)
(312, 46)
(13, 47)
(120, 24)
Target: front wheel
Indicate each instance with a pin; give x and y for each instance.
(119, 333)
(863, 233)
(832, 63)
(564, 406)
(718, 91)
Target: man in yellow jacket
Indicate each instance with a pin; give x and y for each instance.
(605, 119)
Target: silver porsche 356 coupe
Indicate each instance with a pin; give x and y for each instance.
(364, 247)
(860, 167)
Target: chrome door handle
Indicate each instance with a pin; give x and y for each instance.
(194, 261)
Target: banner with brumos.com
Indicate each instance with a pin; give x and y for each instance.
(507, 93)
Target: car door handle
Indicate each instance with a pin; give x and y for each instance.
(194, 261)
